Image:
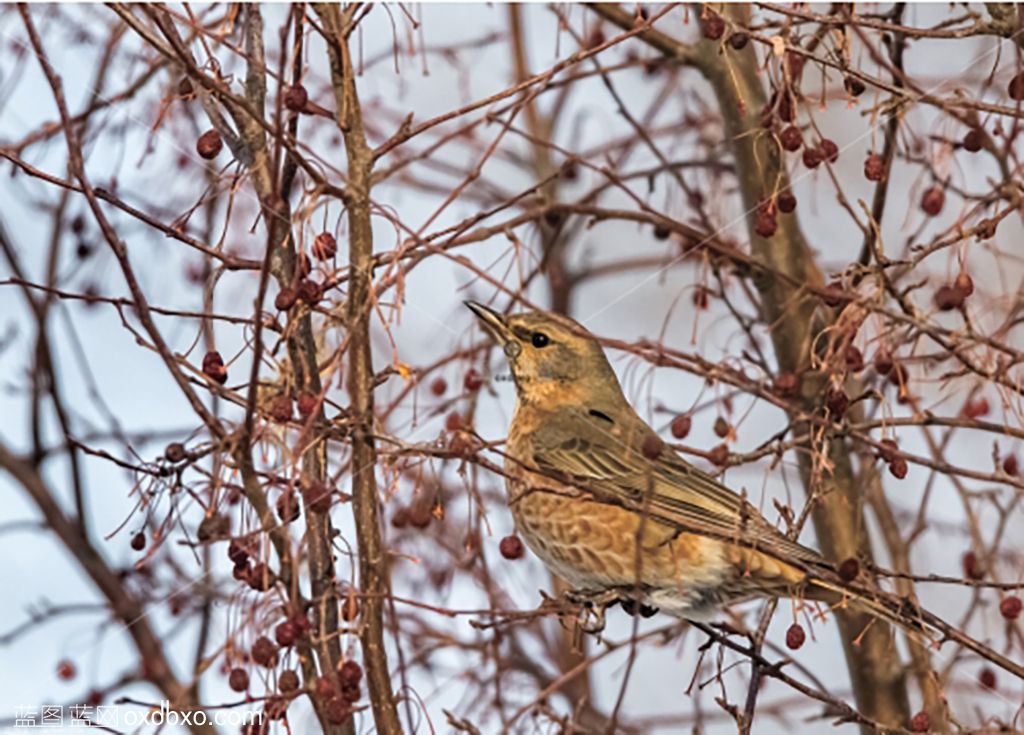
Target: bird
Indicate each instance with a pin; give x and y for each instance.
(616, 512)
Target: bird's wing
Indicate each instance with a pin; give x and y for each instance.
(611, 465)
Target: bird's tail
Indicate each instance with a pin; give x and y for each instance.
(891, 608)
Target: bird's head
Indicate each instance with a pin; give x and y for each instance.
(553, 359)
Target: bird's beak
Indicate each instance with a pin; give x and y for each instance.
(492, 321)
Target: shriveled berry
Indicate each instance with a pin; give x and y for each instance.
(1010, 607)
(350, 605)
(661, 232)
(987, 678)
(512, 547)
(1010, 465)
(920, 722)
(209, 144)
(849, 569)
(316, 495)
(829, 150)
(288, 681)
(1016, 87)
(889, 450)
(739, 41)
(976, 408)
(898, 468)
(139, 541)
(681, 426)
(310, 291)
(400, 518)
(791, 138)
(854, 86)
(701, 297)
(303, 265)
(350, 672)
(438, 386)
(236, 553)
(932, 201)
(883, 362)
(325, 688)
(874, 167)
(812, 157)
(275, 707)
(652, 446)
(973, 567)
(834, 294)
(214, 368)
(854, 359)
(261, 578)
(175, 452)
(948, 297)
(338, 711)
(964, 283)
(454, 421)
(712, 25)
(324, 246)
(795, 64)
(837, 402)
(986, 229)
(595, 38)
(264, 652)
(786, 202)
(351, 693)
(719, 455)
(286, 298)
(185, 87)
(786, 384)
(974, 139)
(308, 403)
(65, 670)
(281, 408)
(765, 223)
(296, 97)
(721, 427)
(795, 636)
(238, 680)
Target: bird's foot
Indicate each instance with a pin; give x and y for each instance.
(632, 607)
(592, 607)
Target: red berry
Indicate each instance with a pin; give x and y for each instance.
(438, 386)
(829, 150)
(473, 381)
(324, 246)
(281, 409)
(712, 25)
(786, 202)
(512, 547)
(285, 634)
(288, 681)
(238, 680)
(338, 711)
(264, 652)
(889, 450)
(932, 201)
(898, 468)
(65, 670)
(854, 359)
(920, 722)
(308, 403)
(296, 97)
(874, 167)
(139, 541)
(849, 569)
(453, 421)
(721, 427)
(883, 362)
(948, 298)
(310, 291)
(681, 426)
(719, 455)
(795, 637)
(765, 223)
(400, 518)
(1010, 607)
(1016, 87)
(974, 139)
(791, 138)
(1010, 466)
(209, 144)
(987, 678)
(972, 566)
(286, 298)
(976, 407)
(795, 63)
(701, 297)
(652, 446)
(812, 157)
(214, 368)
(661, 232)
(260, 577)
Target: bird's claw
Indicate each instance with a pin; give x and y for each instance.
(592, 607)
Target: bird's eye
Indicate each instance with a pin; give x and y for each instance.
(539, 339)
